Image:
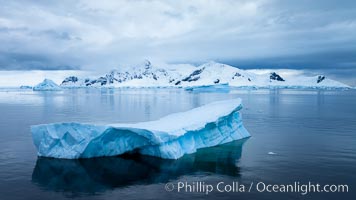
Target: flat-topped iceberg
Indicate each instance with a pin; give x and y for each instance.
(46, 85)
(169, 137)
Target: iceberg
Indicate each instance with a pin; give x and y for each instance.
(169, 137)
(47, 85)
(25, 87)
(220, 88)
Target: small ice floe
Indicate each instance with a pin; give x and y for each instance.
(24, 87)
(271, 153)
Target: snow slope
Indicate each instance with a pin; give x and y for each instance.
(169, 137)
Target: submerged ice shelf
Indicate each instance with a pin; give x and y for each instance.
(169, 137)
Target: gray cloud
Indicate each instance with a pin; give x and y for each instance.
(94, 34)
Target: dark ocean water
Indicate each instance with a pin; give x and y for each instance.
(312, 134)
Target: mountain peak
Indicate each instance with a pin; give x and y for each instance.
(147, 64)
(212, 64)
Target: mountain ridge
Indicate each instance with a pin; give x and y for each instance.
(211, 73)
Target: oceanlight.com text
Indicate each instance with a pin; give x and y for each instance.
(295, 187)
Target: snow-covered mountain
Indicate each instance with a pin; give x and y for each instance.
(211, 73)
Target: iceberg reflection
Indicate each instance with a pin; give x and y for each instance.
(96, 175)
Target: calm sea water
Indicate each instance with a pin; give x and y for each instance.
(312, 134)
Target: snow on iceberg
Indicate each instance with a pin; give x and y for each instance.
(46, 85)
(169, 137)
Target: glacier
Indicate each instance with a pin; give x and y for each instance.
(170, 137)
(47, 85)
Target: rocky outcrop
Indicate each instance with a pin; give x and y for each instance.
(275, 76)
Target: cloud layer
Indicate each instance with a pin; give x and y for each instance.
(92, 34)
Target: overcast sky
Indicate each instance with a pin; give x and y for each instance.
(92, 34)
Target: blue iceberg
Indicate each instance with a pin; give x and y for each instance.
(47, 85)
(169, 137)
